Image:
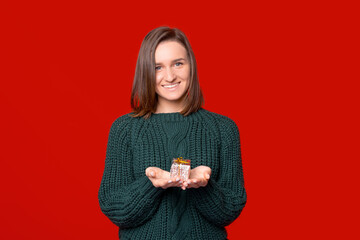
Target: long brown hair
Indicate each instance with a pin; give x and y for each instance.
(143, 95)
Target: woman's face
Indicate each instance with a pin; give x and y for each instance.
(172, 69)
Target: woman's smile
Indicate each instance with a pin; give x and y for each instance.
(171, 87)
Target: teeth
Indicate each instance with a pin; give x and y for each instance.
(170, 86)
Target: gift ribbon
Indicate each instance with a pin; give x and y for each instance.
(181, 161)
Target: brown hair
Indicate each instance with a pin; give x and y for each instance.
(143, 95)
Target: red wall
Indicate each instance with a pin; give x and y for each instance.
(281, 70)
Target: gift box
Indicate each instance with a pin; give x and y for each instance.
(180, 168)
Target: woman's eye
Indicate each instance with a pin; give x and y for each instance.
(178, 64)
(157, 68)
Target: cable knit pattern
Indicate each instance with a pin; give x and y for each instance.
(128, 198)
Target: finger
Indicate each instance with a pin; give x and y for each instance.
(174, 179)
(193, 183)
(203, 183)
(183, 184)
(180, 183)
(150, 172)
(174, 182)
(147, 171)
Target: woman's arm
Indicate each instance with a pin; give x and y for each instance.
(126, 201)
(222, 201)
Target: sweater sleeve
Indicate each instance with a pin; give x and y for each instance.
(126, 201)
(223, 199)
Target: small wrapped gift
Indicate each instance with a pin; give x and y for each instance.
(180, 168)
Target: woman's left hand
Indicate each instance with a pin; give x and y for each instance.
(199, 177)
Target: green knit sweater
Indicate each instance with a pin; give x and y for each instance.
(142, 211)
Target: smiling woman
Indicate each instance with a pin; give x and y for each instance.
(165, 58)
(137, 192)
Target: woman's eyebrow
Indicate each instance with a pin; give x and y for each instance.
(175, 60)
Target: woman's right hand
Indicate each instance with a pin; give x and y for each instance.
(161, 178)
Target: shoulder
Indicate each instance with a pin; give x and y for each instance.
(122, 124)
(221, 121)
(224, 127)
(121, 121)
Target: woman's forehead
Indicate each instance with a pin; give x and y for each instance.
(169, 51)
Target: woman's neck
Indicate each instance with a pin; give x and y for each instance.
(169, 107)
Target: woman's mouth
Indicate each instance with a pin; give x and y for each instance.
(171, 86)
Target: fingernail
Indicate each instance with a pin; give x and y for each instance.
(152, 174)
(180, 182)
(177, 179)
(170, 181)
(195, 181)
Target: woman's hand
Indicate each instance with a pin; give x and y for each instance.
(161, 178)
(199, 177)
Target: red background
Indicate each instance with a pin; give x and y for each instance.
(284, 71)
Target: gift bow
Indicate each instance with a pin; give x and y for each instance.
(181, 161)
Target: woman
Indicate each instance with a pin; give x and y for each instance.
(136, 192)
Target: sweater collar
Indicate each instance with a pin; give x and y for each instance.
(173, 116)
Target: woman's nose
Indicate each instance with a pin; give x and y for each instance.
(170, 75)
